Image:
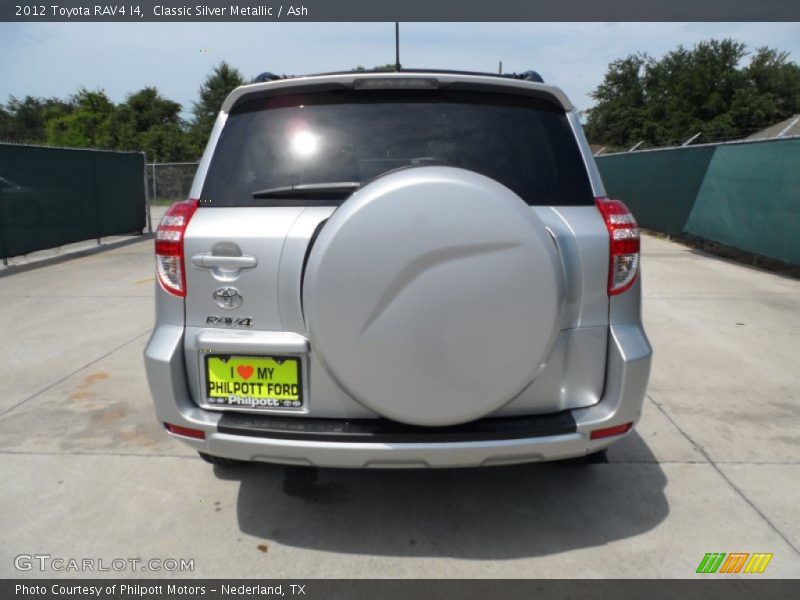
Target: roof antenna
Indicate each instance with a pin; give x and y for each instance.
(397, 46)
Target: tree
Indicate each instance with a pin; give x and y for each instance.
(6, 124)
(167, 143)
(24, 120)
(619, 114)
(87, 125)
(221, 82)
(773, 78)
(386, 67)
(149, 122)
(145, 121)
(704, 90)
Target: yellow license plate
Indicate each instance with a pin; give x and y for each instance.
(253, 382)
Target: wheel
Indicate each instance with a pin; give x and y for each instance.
(426, 323)
(222, 461)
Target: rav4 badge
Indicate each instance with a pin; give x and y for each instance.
(230, 321)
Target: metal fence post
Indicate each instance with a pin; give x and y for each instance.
(635, 146)
(147, 196)
(155, 193)
(691, 139)
(98, 224)
(2, 232)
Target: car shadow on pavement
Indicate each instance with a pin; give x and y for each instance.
(489, 513)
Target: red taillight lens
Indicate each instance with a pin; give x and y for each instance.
(170, 266)
(186, 431)
(624, 235)
(609, 431)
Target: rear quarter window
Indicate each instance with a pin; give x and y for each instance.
(524, 143)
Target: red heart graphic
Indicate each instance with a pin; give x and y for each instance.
(245, 371)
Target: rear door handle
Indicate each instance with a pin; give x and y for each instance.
(208, 260)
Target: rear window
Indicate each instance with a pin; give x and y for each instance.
(355, 136)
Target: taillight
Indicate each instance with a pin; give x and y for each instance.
(198, 434)
(170, 265)
(624, 235)
(609, 431)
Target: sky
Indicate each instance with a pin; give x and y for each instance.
(55, 59)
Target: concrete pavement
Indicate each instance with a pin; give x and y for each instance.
(713, 467)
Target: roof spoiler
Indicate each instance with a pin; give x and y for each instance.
(524, 76)
(267, 76)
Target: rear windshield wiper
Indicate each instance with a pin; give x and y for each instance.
(333, 189)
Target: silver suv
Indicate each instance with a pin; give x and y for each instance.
(403, 269)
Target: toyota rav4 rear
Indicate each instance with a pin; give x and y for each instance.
(412, 269)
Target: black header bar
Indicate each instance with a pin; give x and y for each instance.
(750, 587)
(397, 10)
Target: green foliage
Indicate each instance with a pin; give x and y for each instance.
(700, 90)
(86, 125)
(146, 121)
(24, 120)
(221, 82)
(620, 110)
(386, 67)
(6, 124)
(149, 122)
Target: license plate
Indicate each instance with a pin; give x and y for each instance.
(253, 382)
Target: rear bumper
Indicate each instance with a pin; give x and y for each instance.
(549, 437)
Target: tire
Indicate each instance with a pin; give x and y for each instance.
(221, 461)
(424, 322)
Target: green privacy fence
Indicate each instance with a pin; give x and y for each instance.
(750, 199)
(744, 195)
(54, 196)
(659, 187)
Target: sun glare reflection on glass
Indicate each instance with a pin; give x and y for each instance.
(304, 143)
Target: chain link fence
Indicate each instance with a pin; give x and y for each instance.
(169, 182)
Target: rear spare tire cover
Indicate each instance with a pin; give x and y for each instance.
(433, 295)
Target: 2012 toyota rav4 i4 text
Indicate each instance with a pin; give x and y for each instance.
(401, 269)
